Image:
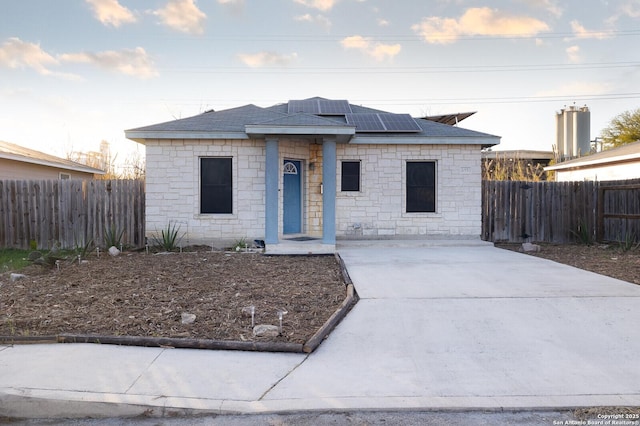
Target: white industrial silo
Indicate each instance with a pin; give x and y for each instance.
(573, 135)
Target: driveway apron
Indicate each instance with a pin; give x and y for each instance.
(473, 326)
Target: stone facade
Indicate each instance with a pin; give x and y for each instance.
(376, 211)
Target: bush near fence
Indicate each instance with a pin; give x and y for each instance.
(561, 212)
(70, 213)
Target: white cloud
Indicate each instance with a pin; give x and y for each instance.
(110, 12)
(574, 53)
(580, 32)
(631, 8)
(134, 62)
(323, 5)
(15, 53)
(319, 19)
(261, 59)
(478, 21)
(378, 51)
(383, 22)
(182, 15)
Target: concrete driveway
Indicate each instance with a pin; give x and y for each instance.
(456, 325)
(474, 326)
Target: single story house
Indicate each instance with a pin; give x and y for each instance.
(18, 162)
(618, 163)
(312, 168)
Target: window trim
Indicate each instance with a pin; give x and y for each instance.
(406, 187)
(231, 185)
(359, 162)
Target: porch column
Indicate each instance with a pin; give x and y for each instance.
(329, 191)
(272, 173)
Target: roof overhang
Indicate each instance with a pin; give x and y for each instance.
(484, 142)
(141, 136)
(342, 133)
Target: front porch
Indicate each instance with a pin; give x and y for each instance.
(300, 246)
(319, 202)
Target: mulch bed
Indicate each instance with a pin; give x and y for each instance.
(145, 295)
(606, 259)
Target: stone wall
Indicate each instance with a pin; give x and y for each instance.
(377, 211)
(173, 189)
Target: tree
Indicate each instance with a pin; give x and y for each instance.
(623, 129)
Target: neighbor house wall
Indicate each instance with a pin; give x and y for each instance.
(11, 169)
(623, 171)
(378, 210)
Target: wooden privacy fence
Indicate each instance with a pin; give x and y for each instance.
(560, 212)
(71, 213)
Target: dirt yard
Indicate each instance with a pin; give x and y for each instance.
(610, 260)
(139, 294)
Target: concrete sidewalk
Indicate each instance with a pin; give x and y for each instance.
(456, 325)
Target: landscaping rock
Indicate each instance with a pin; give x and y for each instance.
(528, 247)
(188, 318)
(265, 330)
(16, 277)
(34, 255)
(113, 251)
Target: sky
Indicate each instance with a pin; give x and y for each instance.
(76, 72)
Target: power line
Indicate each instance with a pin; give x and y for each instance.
(406, 70)
(304, 38)
(435, 101)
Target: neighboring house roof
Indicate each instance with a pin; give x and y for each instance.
(252, 121)
(623, 154)
(519, 154)
(15, 152)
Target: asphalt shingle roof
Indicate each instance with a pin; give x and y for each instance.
(236, 120)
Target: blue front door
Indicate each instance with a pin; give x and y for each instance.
(292, 209)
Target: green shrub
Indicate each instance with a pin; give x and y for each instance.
(628, 242)
(583, 234)
(112, 237)
(168, 239)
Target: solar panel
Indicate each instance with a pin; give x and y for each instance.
(331, 107)
(319, 107)
(383, 122)
(399, 123)
(309, 106)
(365, 122)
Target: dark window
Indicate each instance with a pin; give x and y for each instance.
(350, 176)
(215, 185)
(421, 186)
